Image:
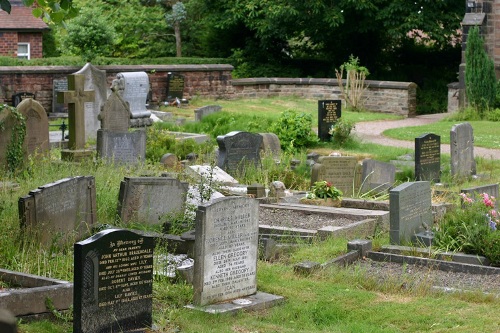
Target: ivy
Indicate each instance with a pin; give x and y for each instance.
(15, 151)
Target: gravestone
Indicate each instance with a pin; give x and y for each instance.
(8, 323)
(151, 200)
(428, 158)
(490, 189)
(204, 111)
(95, 80)
(19, 97)
(37, 127)
(133, 87)
(271, 144)
(175, 86)
(76, 97)
(61, 211)
(238, 150)
(377, 176)
(115, 142)
(328, 113)
(410, 211)
(338, 170)
(211, 174)
(463, 164)
(113, 282)
(59, 85)
(226, 249)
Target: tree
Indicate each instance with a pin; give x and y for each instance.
(480, 79)
(51, 10)
(174, 20)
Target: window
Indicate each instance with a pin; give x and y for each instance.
(23, 50)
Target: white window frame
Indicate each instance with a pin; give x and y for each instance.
(26, 55)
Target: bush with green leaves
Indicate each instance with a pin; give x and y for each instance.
(294, 130)
(341, 131)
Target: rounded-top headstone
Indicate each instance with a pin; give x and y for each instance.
(169, 160)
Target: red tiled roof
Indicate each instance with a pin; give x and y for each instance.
(21, 18)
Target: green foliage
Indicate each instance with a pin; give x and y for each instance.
(55, 11)
(341, 131)
(324, 190)
(15, 150)
(294, 130)
(480, 79)
(89, 35)
(178, 14)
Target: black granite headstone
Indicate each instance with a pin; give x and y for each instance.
(19, 97)
(328, 113)
(113, 282)
(175, 86)
(237, 150)
(428, 157)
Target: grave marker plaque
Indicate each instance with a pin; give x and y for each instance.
(328, 113)
(428, 158)
(226, 249)
(175, 86)
(113, 282)
(237, 150)
(338, 170)
(463, 164)
(410, 211)
(61, 211)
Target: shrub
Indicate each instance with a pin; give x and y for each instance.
(294, 130)
(341, 131)
(324, 190)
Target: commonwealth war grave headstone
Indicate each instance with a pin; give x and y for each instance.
(410, 211)
(428, 157)
(237, 150)
(463, 164)
(338, 170)
(113, 282)
(95, 80)
(151, 200)
(61, 211)
(115, 142)
(377, 176)
(19, 97)
(329, 111)
(175, 86)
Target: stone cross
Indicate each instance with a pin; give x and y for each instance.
(76, 97)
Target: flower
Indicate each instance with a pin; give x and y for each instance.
(323, 190)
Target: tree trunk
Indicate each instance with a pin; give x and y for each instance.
(177, 31)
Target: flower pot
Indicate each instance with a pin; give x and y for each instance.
(328, 202)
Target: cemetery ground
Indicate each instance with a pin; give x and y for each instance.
(358, 298)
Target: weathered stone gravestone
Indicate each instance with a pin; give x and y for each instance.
(133, 87)
(76, 97)
(95, 80)
(338, 170)
(60, 212)
(211, 174)
(175, 86)
(204, 111)
(115, 142)
(410, 211)
(8, 323)
(377, 176)
(490, 189)
(151, 200)
(428, 158)
(226, 249)
(59, 85)
(328, 113)
(271, 145)
(238, 150)
(19, 97)
(113, 282)
(463, 164)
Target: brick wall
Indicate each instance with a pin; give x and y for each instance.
(212, 81)
(9, 40)
(8, 43)
(35, 40)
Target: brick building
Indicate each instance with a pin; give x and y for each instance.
(21, 32)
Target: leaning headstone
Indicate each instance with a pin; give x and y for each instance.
(19, 97)
(113, 282)
(271, 144)
(377, 176)
(133, 87)
(226, 250)
(490, 189)
(463, 164)
(211, 174)
(328, 113)
(238, 150)
(175, 86)
(37, 127)
(59, 85)
(338, 170)
(410, 211)
(204, 111)
(428, 158)
(60, 212)
(95, 80)
(115, 142)
(76, 97)
(151, 200)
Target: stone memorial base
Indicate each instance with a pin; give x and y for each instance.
(257, 301)
(78, 155)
